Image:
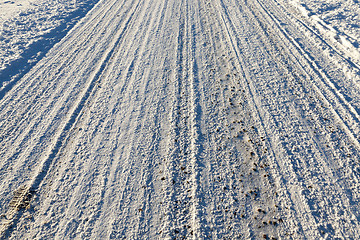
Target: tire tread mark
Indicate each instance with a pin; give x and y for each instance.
(324, 78)
(13, 214)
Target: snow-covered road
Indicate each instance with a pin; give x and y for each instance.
(191, 119)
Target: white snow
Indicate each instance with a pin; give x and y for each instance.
(28, 28)
(337, 21)
(179, 119)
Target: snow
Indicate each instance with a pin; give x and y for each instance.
(28, 29)
(338, 21)
(206, 119)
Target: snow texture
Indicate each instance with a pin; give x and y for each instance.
(179, 119)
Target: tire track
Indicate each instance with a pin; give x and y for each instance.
(13, 214)
(124, 204)
(226, 210)
(122, 89)
(260, 125)
(196, 137)
(184, 143)
(326, 81)
(240, 174)
(26, 134)
(328, 160)
(117, 227)
(294, 170)
(172, 158)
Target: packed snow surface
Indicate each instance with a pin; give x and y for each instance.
(179, 119)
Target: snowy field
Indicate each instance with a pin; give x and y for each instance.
(179, 119)
(29, 28)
